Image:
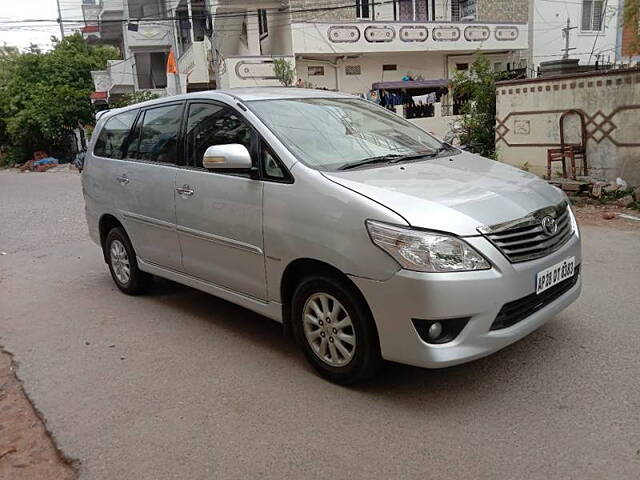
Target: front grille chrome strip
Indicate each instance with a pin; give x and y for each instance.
(524, 239)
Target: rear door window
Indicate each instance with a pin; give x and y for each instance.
(112, 140)
(159, 134)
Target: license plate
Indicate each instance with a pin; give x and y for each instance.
(553, 275)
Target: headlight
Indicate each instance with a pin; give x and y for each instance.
(424, 251)
(574, 223)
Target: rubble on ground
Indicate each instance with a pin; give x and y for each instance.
(593, 191)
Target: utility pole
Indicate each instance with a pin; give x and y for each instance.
(60, 21)
(565, 33)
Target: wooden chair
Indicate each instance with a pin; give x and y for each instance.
(577, 155)
(574, 153)
(555, 155)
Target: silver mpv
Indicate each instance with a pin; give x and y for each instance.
(365, 236)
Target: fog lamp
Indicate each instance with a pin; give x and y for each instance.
(435, 330)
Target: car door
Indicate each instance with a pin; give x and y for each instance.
(219, 215)
(147, 183)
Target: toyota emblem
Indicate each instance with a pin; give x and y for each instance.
(549, 225)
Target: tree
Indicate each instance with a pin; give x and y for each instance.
(284, 71)
(476, 88)
(631, 19)
(135, 97)
(8, 56)
(48, 93)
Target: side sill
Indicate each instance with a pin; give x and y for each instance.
(272, 310)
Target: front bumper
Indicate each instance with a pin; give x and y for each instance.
(479, 295)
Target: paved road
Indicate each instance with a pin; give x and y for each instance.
(181, 385)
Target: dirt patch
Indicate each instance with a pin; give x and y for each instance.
(26, 450)
(608, 216)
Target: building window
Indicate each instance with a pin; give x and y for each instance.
(146, 8)
(263, 27)
(419, 10)
(389, 68)
(592, 15)
(352, 69)
(315, 70)
(362, 9)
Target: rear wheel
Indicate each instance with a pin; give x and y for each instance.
(121, 258)
(335, 330)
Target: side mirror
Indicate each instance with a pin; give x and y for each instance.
(233, 156)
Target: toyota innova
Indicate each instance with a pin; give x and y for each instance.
(368, 238)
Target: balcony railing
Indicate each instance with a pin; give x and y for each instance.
(248, 71)
(150, 33)
(111, 6)
(194, 63)
(362, 37)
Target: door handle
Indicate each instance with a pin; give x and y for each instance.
(122, 179)
(185, 190)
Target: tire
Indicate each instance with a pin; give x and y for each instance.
(352, 350)
(121, 258)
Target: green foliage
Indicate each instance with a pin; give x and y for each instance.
(631, 19)
(284, 71)
(135, 97)
(477, 88)
(42, 94)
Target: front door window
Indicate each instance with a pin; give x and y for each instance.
(209, 125)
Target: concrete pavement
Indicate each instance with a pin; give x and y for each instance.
(181, 385)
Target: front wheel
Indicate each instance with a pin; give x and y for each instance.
(121, 258)
(335, 330)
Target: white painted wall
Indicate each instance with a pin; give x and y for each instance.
(528, 114)
(498, 61)
(278, 39)
(431, 65)
(550, 17)
(391, 37)
(194, 63)
(436, 126)
(248, 71)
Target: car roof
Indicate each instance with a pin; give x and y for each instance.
(278, 93)
(242, 94)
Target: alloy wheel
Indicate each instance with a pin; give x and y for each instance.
(329, 330)
(120, 262)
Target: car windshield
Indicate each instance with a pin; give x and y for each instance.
(338, 133)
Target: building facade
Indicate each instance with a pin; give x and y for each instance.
(593, 24)
(353, 45)
(628, 51)
(400, 49)
(145, 31)
(598, 110)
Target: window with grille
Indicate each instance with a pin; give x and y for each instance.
(315, 70)
(362, 9)
(352, 69)
(592, 15)
(263, 26)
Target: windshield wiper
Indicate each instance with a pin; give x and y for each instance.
(396, 157)
(435, 153)
(372, 160)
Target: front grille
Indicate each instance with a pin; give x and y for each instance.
(525, 239)
(516, 311)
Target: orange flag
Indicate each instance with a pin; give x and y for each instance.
(171, 63)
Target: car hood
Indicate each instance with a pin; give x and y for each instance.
(456, 193)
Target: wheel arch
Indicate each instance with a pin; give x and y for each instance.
(301, 268)
(106, 223)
